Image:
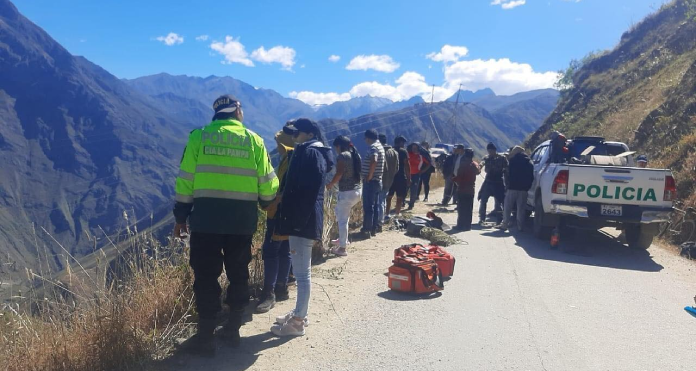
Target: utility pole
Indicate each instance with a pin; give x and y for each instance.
(430, 114)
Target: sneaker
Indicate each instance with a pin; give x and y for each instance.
(341, 251)
(292, 327)
(502, 226)
(482, 223)
(281, 320)
(379, 229)
(425, 199)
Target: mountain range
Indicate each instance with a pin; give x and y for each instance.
(83, 154)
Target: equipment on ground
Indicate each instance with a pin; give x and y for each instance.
(413, 273)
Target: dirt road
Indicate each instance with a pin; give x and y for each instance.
(513, 304)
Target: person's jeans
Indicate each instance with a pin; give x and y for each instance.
(301, 253)
(382, 206)
(345, 203)
(276, 259)
(488, 190)
(517, 199)
(370, 200)
(415, 181)
(465, 210)
(425, 184)
(450, 190)
(209, 252)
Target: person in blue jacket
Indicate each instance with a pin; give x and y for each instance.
(302, 215)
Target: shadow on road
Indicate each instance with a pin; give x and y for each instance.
(226, 358)
(399, 296)
(594, 248)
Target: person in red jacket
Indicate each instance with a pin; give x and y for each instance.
(466, 185)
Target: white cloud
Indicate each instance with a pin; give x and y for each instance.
(334, 58)
(202, 38)
(407, 86)
(233, 51)
(509, 4)
(449, 53)
(171, 39)
(283, 55)
(381, 63)
(313, 98)
(502, 75)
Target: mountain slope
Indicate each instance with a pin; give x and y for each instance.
(265, 110)
(474, 126)
(78, 148)
(495, 102)
(352, 108)
(470, 96)
(642, 92)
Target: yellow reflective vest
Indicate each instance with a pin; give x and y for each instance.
(225, 173)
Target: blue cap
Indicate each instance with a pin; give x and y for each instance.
(642, 158)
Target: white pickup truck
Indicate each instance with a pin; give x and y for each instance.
(597, 186)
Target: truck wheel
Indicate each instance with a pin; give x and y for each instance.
(541, 231)
(639, 237)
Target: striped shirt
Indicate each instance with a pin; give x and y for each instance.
(375, 150)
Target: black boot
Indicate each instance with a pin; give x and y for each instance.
(266, 302)
(230, 330)
(203, 342)
(281, 293)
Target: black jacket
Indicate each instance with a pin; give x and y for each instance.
(521, 173)
(301, 211)
(448, 165)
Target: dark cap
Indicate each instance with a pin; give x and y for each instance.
(642, 158)
(468, 152)
(400, 139)
(491, 146)
(289, 127)
(383, 138)
(371, 134)
(226, 103)
(459, 146)
(303, 125)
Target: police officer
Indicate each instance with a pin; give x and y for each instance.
(225, 174)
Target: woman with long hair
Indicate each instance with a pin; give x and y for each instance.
(301, 215)
(347, 177)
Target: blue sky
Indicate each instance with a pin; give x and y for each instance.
(394, 49)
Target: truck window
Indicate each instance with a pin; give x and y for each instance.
(539, 154)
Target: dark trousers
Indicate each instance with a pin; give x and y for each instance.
(276, 259)
(424, 184)
(415, 181)
(209, 252)
(495, 189)
(465, 210)
(371, 205)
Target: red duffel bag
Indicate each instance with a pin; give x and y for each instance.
(415, 274)
(444, 260)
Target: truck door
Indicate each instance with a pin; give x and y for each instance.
(539, 158)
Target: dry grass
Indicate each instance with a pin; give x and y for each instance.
(102, 321)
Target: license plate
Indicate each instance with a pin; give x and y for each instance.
(612, 210)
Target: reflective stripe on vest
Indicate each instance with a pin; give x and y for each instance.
(186, 175)
(216, 169)
(187, 199)
(229, 195)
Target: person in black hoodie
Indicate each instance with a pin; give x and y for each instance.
(520, 176)
(302, 215)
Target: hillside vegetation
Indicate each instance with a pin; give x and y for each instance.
(642, 92)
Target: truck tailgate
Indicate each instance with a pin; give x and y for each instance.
(617, 185)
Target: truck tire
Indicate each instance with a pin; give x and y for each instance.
(639, 237)
(541, 231)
